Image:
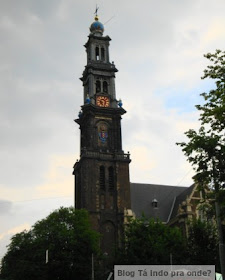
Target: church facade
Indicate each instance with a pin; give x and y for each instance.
(102, 184)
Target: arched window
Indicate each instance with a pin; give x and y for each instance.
(97, 53)
(98, 86)
(102, 177)
(102, 54)
(111, 178)
(105, 87)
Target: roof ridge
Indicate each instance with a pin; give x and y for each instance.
(160, 185)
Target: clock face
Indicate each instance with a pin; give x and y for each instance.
(102, 101)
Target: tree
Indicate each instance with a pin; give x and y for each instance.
(67, 235)
(202, 243)
(150, 242)
(205, 148)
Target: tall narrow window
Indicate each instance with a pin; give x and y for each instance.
(97, 53)
(105, 87)
(98, 86)
(102, 54)
(102, 177)
(111, 178)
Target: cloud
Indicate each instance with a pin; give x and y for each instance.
(15, 230)
(214, 33)
(5, 206)
(59, 179)
(58, 182)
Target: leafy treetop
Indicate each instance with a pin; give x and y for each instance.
(205, 148)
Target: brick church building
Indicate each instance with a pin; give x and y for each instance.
(102, 184)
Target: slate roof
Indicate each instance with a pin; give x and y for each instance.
(142, 196)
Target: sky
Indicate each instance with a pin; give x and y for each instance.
(158, 48)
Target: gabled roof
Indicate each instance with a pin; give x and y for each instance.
(181, 198)
(142, 196)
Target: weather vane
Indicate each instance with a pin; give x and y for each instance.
(96, 10)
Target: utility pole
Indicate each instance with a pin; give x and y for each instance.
(92, 268)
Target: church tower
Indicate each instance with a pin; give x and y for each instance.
(102, 184)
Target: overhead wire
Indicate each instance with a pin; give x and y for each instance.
(184, 177)
(44, 198)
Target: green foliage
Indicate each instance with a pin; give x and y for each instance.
(213, 111)
(202, 244)
(150, 242)
(67, 235)
(205, 149)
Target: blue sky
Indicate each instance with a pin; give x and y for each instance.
(158, 48)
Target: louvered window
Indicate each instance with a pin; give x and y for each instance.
(102, 177)
(111, 178)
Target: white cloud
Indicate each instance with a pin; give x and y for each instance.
(15, 230)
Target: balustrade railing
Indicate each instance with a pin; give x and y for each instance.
(105, 155)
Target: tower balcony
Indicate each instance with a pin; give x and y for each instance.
(117, 156)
